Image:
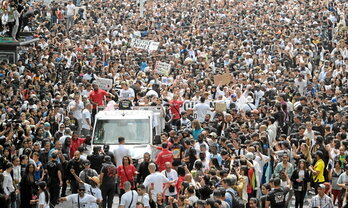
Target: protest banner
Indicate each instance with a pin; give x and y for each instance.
(103, 83)
(144, 44)
(162, 68)
(167, 80)
(222, 79)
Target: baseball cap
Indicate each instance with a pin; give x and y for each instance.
(322, 186)
(86, 162)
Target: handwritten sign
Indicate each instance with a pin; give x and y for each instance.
(222, 79)
(144, 44)
(220, 107)
(103, 83)
(162, 68)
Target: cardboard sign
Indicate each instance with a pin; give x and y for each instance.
(167, 80)
(222, 79)
(220, 107)
(144, 44)
(162, 68)
(103, 83)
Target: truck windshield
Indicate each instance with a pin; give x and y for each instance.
(136, 131)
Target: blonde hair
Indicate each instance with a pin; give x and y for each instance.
(195, 124)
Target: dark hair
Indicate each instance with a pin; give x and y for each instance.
(181, 170)
(141, 186)
(267, 186)
(121, 139)
(164, 145)
(255, 200)
(129, 161)
(42, 186)
(276, 182)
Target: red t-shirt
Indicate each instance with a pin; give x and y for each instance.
(175, 108)
(163, 157)
(97, 97)
(130, 169)
(75, 144)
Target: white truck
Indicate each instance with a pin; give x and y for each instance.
(138, 127)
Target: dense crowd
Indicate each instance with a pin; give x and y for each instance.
(282, 136)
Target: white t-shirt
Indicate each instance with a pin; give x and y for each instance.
(158, 180)
(202, 109)
(96, 192)
(119, 153)
(84, 201)
(70, 10)
(145, 199)
(86, 115)
(42, 200)
(127, 94)
(127, 201)
(172, 176)
(77, 112)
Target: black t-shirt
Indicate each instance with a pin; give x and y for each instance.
(192, 157)
(277, 197)
(76, 165)
(52, 171)
(96, 161)
(177, 150)
(125, 105)
(109, 171)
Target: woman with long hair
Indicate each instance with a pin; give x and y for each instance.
(27, 186)
(265, 189)
(196, 129)
(3, 199)
(44, 198)
(334, 174)
(300, 178)
(126, 172)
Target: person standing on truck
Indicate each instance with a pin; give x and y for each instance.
(175, 105)
(96, 97)
(121, 151)
(164, 156)
(75, 107)
(126, 93)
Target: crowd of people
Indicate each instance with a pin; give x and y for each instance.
(282, 135)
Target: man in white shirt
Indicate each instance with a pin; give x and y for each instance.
(70, 14)
(143, 197)
(121, 151)
(8, 183)
(126, 93)
(81, 199)
(202, 109)
(76, 106)
(86, 120)
(155, 180)
(130, 198)
(172, 176)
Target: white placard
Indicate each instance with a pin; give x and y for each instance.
(162, 68)
(144, 44)
(167, 80)
(103, 83)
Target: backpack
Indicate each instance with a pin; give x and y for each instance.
(237, 202)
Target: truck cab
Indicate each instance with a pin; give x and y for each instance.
(136, 126)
